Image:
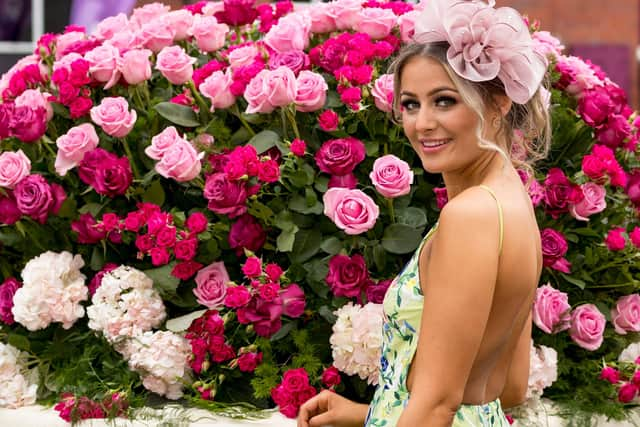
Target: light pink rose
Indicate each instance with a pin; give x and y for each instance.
(290, 33)
(407, 24)
(126, 40)
(103, 64)
(73, 145)
(546, 44)
(108, 27)
(147, 13)
(135, 66)
(345, 13)
(174, 63)
(551, 310)
(162, 142)
(311, 91)
(376, 22)
(322, 21)
(66, 61)
(626, 314)
(351, 210)
(270, 89)
(14, 167)
(242, 56)
(587, 326)
(114, 117)
(216, 88)
(592, 202)
(180, 20)
(213, 7)
(156, 35)
(181, 162)
(391, 176)
(34, 99)
(211, 285)
(63, 41)
(209, 34)
(383, 92)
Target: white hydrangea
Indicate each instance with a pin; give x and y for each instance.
(52, 290)
(356, 342)
(162, 359)
(125, 305)
(543, 369)
(16, 385)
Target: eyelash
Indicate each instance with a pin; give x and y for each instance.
(447, 100)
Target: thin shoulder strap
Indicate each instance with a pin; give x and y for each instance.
(500, 217)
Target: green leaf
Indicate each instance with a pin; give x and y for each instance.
(298, 203)
(163, 281)
(401, 239)
(372, 148)
(306, 245)
(327, 314)
(264, 140)
(331, 245)
(286, 239)
(97, 258)
(379, 257)
(154, 194)
(19, 341)
(92, 208)
(413, 217)
(284, 220)
(178, 114)
(283, 332)
(579, 283)
(321, 184)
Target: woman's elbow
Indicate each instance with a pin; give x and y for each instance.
(514, 395)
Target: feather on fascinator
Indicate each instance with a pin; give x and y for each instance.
(484, 43)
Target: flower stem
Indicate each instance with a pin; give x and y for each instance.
(204, 108)
(46, 143)
(236, 112)
(392, 213)
(291, 114)
(283, 119)
(132, 160)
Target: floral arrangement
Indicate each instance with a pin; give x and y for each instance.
(233, 169)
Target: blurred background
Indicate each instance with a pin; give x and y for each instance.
(605, 32)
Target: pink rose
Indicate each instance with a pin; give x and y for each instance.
(270, 89)
(8, 290)
(383, 92)
(247, 362)
(593, 201)
(237, 296)
(376, 22)
(407, 24)
(246, 233)
(225, 197)
(244, 55)
(391, 176)
(209, 34)
(290, 33)
(148, 12)
(73, 145)
(35, 99)
(627, 392)
(340, 156)
(347, 276)
(625, 316)
(181, 21)
(346, 12)
(322, 21)
(156, 35)
(135, 66)
(634, 236)
(103, 62)
(108, 27)
(331, 377)
(554, 247)
(126, 40)
(311, 91)
(551, 310)
(615, 240)
(181, 162)
(295, 60)
(14, 167)
(174, 63)
(114, 117)
(328, 120)
(37, 198)
(211, 285)
(351, 210)
(587, 326)
(293, 301)
(216, 87)
(162, 142)
(252, 267)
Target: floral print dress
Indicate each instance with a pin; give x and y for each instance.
(401, 328)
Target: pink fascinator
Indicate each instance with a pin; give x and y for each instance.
(484, 43)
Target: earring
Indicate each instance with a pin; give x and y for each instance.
(497, 121)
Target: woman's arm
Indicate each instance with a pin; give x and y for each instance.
(515, 388)
(460, 275)
(329, 408)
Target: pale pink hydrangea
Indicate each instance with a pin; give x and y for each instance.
(162, 359)
(356, 341)
(52, 290)
(125, 305)
(543, 369)
(18, 385)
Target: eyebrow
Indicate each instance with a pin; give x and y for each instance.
(433, 91)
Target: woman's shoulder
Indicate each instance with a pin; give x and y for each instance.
(475, 205)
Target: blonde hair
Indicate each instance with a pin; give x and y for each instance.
(532, 118)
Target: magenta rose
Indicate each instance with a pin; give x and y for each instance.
(554, 247)
(347, 276)
(185, 269)
(560, 193)
(73, 145)
(627, 392)
(28, 124)
(35, 197)
(311, 91)
(237, 296)
(350, 210)
(211, 285)
(610, 374)
(247, 362)
(225, 197)
(107, 173)
(587, 326)
(14, 166)
(6, 112)
(328, 120)
(441, 196)
(340, 156)
(377, 291)
(89, 232)
(186, 249)
(551, 310)
(114, 117)
(9, 212)
(295, 380)
(293, 301)
(615, 239)
(295, 60)
(197, 222)
(247, 233)
(594, 167)
(634, 236)
(96, 281)
(286, 401)
(633, 187)
(391, 176)
(593, 201)
(614, 131)
(180, 161)
(252, 267)
(8, 289)
(174, 63)
(331, 377)
(594, 106)
(625, 316)
(237, 12)
(273, 271)
(264, 315)
(349, 181)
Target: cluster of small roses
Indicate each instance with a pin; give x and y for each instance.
(75, 408)
(626, 380)
(552, 314)
(25, 193)
(71, 79)
(25, 116)
(617, 241)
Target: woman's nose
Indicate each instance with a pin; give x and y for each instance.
(425, 120)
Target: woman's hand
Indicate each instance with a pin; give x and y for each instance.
(331, 409)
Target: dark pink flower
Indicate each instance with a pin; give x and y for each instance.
(9, 212)
(328, 120)
(8, 289)
(377, 291)
(96, 281)
(225, 197)
(554, 248)
(247, 233)
(293, 301)
(615, 239)
(340, 156)
(28, 124)
(331, 377)
(35, 197)
(347, 276)
(247, 362)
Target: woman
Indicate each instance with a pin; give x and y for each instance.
(457, 329)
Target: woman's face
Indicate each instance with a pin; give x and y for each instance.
(439, 125)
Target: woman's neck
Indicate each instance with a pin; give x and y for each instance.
(482, 170)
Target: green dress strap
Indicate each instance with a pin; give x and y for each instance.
(500, 216)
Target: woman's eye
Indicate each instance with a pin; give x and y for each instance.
(409, 104)
(445, 101)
